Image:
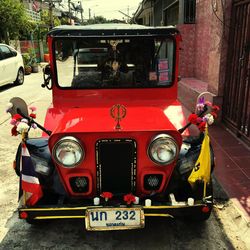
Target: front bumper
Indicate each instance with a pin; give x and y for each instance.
(45, 213)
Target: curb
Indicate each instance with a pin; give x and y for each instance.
(231, 215)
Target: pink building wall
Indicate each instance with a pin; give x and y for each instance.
(187, 51)
(204, 49)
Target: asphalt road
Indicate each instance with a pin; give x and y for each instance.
(160, 233)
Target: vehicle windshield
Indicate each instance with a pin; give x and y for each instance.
(114, 63)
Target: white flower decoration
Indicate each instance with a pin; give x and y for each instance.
(209, 118)
(22, 127)
(24, 120)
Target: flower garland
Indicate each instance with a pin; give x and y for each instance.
(208, 118)
(21, 125)
(129, 198)
(106, 195)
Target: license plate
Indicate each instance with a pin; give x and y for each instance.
(114, 218)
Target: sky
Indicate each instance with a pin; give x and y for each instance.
(108, 8)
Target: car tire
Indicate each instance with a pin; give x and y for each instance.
(20, 77)
(36, 222)
(31, 221)
(201, 216)
(18, 159)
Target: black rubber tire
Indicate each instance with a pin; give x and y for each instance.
(18, 159)
(20, 77)
(36, 222)
(32, 221)
(199, 217)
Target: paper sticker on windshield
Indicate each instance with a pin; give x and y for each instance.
(163, 64)
(152, 76)
(163, 77)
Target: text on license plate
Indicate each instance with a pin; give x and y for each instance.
(114, 218)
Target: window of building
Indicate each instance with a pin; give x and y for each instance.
(189, 11)
(171, 14)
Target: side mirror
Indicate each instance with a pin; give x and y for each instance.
(18, 105)
(47, 70)
(47, 77)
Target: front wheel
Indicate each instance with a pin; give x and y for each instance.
(32, 221)
(201, 216)
(204, 213)
(20, 77)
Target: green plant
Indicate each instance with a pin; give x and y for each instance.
(14, 21)
(32, 55)
(27, 63)
(26, 59)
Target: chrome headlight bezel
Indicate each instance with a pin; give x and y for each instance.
(164, 138)
(73, 140)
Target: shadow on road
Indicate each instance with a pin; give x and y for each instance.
(159, 233)
(7, 86)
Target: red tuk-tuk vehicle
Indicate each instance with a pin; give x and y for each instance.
(112, 150)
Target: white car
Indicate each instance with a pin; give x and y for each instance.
(11, 66)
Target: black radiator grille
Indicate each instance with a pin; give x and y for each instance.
(116, 165)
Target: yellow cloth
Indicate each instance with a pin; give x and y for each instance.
(202, 168)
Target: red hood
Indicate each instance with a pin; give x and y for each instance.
(100, 120)
(159, 116)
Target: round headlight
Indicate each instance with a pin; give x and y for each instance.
(68, 152)
(163, 149)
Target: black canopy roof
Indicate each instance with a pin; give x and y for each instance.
(99, 30)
